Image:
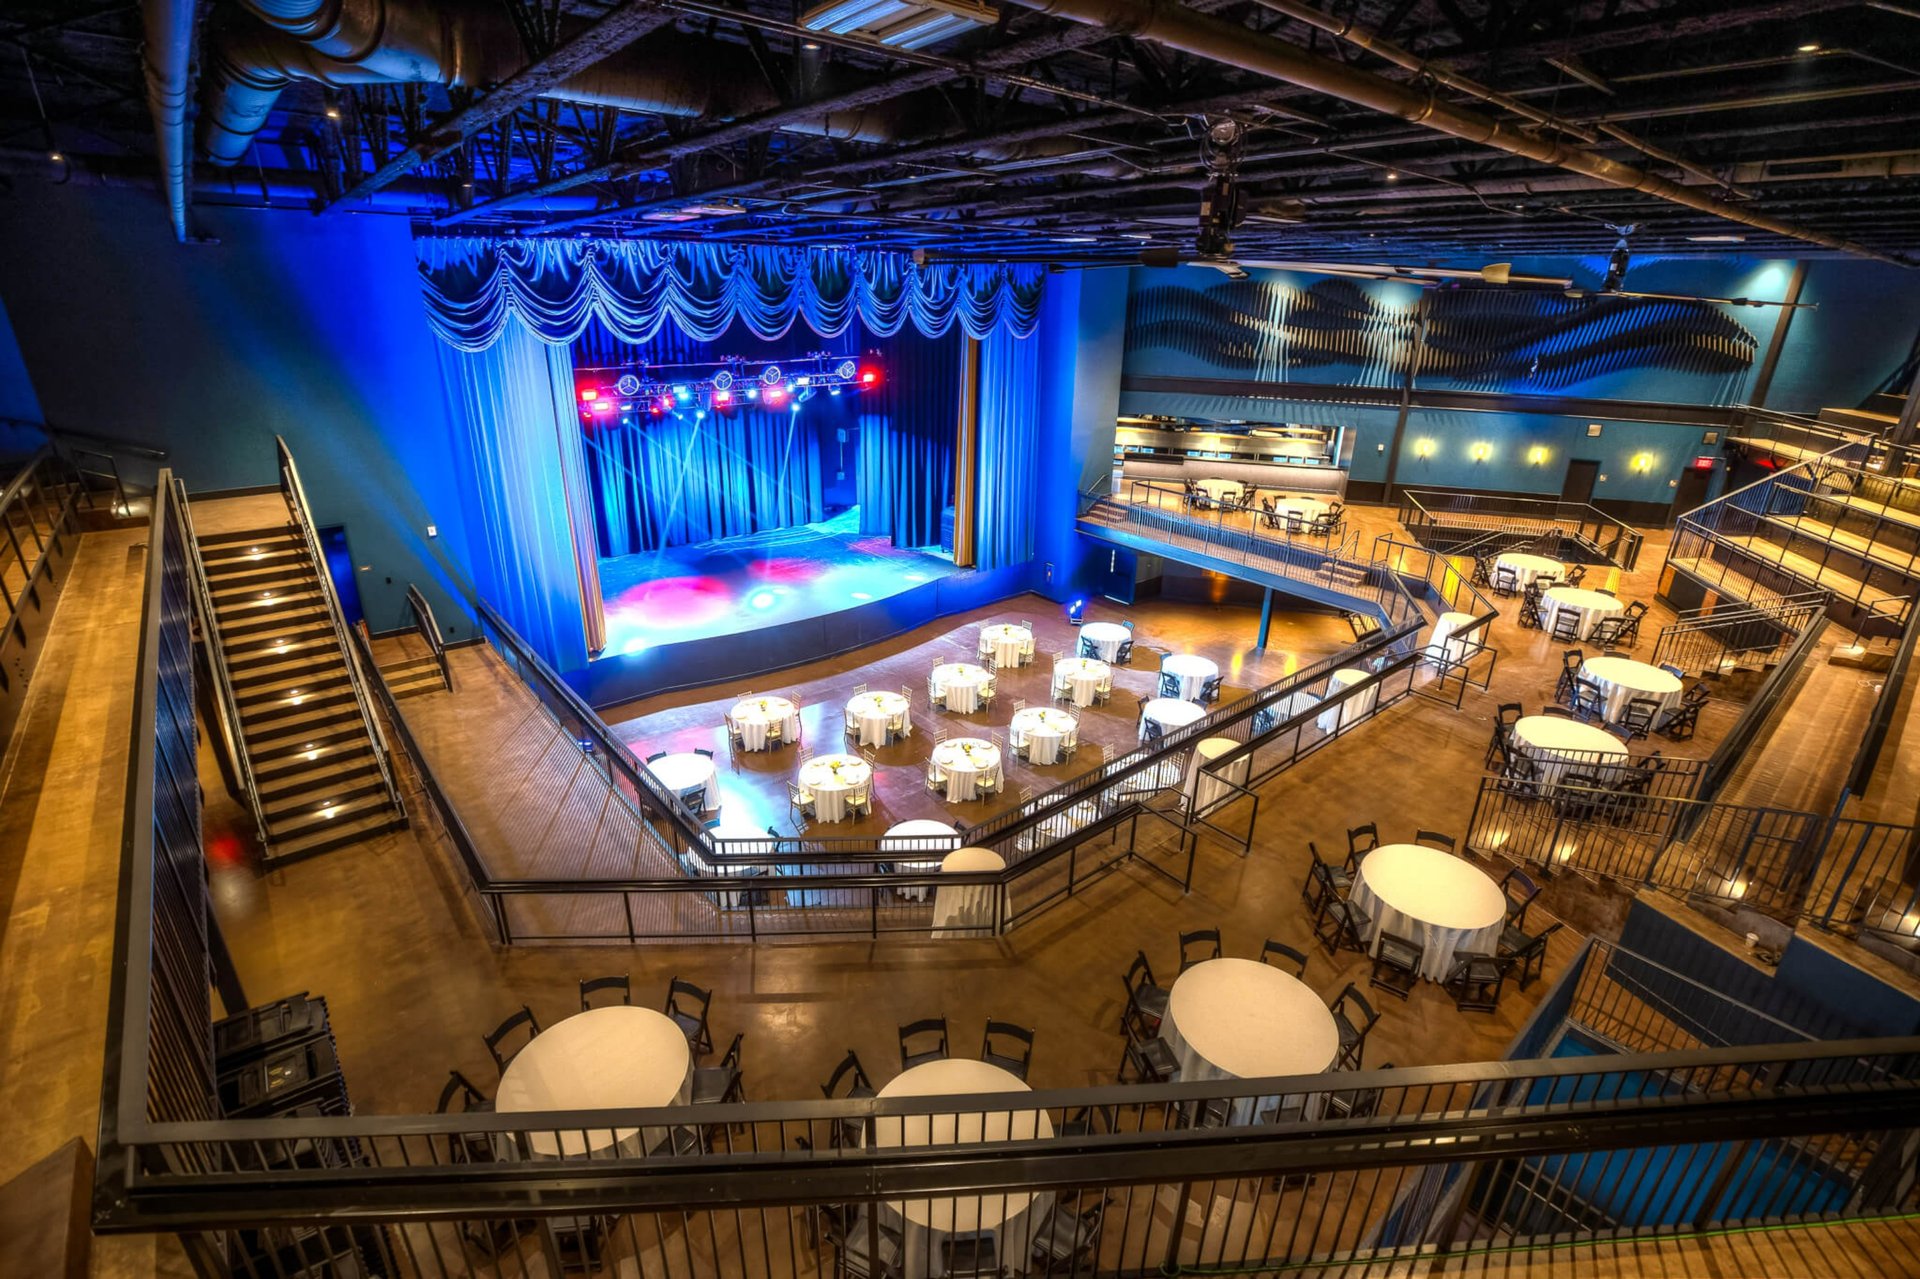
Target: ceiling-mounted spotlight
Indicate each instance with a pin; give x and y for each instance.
(847, 369)
(1811, 46)
(627, 385)
(1224, 134)
(722, 380)
(1618, 260)
(770, 375)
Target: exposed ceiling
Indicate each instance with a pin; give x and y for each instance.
(1038, 135)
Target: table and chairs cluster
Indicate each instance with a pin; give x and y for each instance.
(1424, 913)
(1294, 514)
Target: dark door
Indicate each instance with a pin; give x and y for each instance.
(1692, 491)
(1115, 575)
(1581, 473)
(333, 544)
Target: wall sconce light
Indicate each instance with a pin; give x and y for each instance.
(1537, 455)
(1482, 451)
(1423, 448)
(1643, 462)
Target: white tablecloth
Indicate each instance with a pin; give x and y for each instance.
(925, 1224)
(1558, 746)
(1431, 897)
(1590, 605)
(1042, 731)
(830, 779)
(1238, 1019)
(1446, 637)
(684, 771)
(1009, 643)
(1084, 675)
(1308, 509)
(917, 847)
(1205, 787)
(1622, 679)
(1106, 638)
(1217, 488)
(613, 1058)
(961, 763)
(1527, 567)
(1354, 708)
(1191, 671)
(966, 910)
(1170, 713)
(877, 714)
(754, 716)
(958, 685)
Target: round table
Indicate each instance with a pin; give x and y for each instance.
(1009, 643)
(1106, 638)
(1085, 677)
(1042, 731)
(1354, 708)
(1527, 567)
(1170, 713)
(1308, 509)
(1559, 745)
(962, 764)
(1590, 605)
(1431, 897)
(1207, 787)
(831, 780)
(878, 714)
(922, 835)
(763, 722)
(1191, 672)
(1447, 638)
(613, 1058)
(958, 685)
(1218, 488)
(1238, 1019)
(686, 771)
(966, 910)
(1622, 679)
(1012, 1216)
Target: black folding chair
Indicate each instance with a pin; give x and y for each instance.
(932, 1031)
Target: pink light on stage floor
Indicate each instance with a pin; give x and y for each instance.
(793, 571)
(668, 604)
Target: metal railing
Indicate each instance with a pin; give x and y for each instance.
(1256, 1175)
(427, 627)
(296, 497)
(1826, 523)
(1637, 1005)
(232, 731)
(1430, 513)
(1881, 720)
(1768, 700)
(36, 514)
(1713, 640)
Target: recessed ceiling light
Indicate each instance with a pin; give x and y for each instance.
(811, 46)
(1721, 238)
(1392, 176)
(55, 156)
(1812, 46)
(333, 113)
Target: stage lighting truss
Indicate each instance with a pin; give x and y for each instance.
(656, 392)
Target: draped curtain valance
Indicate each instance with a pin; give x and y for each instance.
(474, 287)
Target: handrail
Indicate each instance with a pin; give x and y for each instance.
(1880, 720)
(111, 441)
(428, 627)
(231, 732)
(1755, 714)
(296, 496)
(1452, 503)
(1699, 629)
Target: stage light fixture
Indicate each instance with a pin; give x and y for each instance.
(627, 385)
(753, 393)
(847, 369)
(803, 380)
(722, 380)
(664, 404)
(603, 406)
(589, 394)
(870, 376)
(682, 394)
(770, 375)
(722, 396)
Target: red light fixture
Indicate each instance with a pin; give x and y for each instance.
(663, 404)
(869, 376)
(723, 397)
(589, 394)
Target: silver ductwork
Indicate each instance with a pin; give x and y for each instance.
(167, 59)
(459, 43)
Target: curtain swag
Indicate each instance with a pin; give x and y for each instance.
(556, 287)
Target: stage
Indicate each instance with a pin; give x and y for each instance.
(732, 608)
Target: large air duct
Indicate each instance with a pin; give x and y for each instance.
(168, 63)
(459, 43)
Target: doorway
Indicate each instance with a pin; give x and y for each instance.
(333, 545)
(1581, 474)
(1694, 482)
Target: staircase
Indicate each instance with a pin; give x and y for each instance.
(315, 758)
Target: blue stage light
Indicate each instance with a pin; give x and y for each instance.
(761, 599)
(833, 390)
(753, 393)
(682, 394)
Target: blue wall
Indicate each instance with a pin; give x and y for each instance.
(308, 326)
(1083, 334)
(17, 399)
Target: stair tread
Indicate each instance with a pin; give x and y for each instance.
(337, 833)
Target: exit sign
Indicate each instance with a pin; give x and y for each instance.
(1703, 463)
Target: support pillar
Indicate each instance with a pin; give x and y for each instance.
(1266, 618)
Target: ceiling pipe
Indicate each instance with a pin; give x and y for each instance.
(1234, 45)
(168, 62)
(1373, 42)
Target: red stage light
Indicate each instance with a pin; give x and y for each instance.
(869, 376)
(589, 394)
(723, 397)
(603, 406)
(664, 404)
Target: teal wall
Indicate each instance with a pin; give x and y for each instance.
(1082, 334)
(310, 327)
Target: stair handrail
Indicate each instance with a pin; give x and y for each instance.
(227, 704)
(296, 496)
(428, 627)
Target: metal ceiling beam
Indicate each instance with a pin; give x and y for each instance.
(610, 34)
(1219, 41)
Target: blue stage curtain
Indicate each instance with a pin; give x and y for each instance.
(907, 431)
(1007, 480)
(512, 409)
(556, 287)
(684, 477)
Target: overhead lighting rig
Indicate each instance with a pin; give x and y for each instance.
(653, 391)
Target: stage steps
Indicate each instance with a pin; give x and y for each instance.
(312, 754)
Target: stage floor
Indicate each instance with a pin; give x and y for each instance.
(741, 584)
